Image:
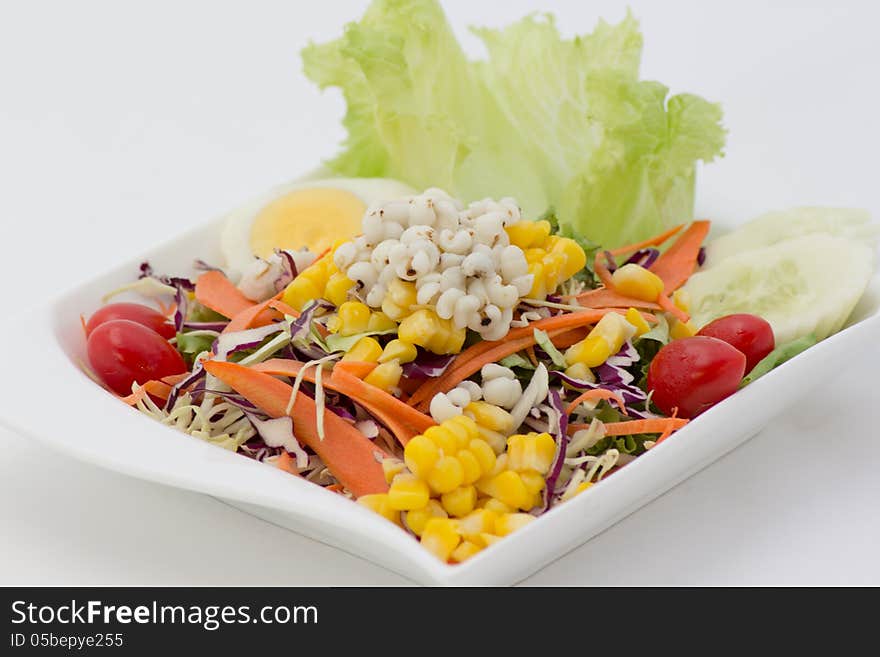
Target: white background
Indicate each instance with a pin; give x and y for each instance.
(121, 124)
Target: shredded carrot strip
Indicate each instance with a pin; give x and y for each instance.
(676, 264)
(167, 310)
(287, 463)
(667, 304)
(657, 240)
(530, 352)
(630, 427)
(157, 388)
(669, 429)
(277, 304)
(598, 393)
(259, 314)
(602, 271)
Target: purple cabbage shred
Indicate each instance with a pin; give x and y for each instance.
(643, 257)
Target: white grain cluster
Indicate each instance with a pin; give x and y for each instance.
(460, 259)
(500, 387)
(258, 278)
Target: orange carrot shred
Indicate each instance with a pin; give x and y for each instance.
(355, 368)
(259, 314)
(156, 388)
(352, 458)
(167, 310)
(604, 297)
(287, 463)
(215, 291)
(602, 271)
(277, 304)
(403, 420)
(598, 393)
(657, 240)
(629, 427)
(667, 304)
(530, 352)
(678, 262)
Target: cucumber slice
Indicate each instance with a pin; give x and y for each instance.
(774, 227)
(804, 285)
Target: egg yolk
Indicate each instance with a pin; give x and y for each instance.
(315, 218)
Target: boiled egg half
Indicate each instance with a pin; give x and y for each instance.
(312, 214)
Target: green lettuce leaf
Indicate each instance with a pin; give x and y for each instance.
(778, 356)
(562, 123)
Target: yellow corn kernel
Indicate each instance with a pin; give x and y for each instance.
(479, 521)
(527, 234)
(584, 485)
(379, 321)
(440, 536)
(535, 255)
(459, 502)
(420, 456)
(575, 258)
(465, 551)
(605, 340)
(464, 424)
(365, 350)
(635, 281)
(301, 291)
(497, 441)
(509, 523)
(539, 286)
(497, 506)
(507, 487)
(446, 475)
(537, 500)
(392, 467)
(336, 290)
(592, 351)
(581, 372)
(470, 465)
(635, 318)
(679, 329)
(682, 299)
(418, 518)
(443, 438)
(534, 481)
(378, 502)
(490, 416)
(398, 350)
(385, 376)
(351, 318)
(464, 428)
(484, 454)
(554, 263)
(488, 539)
(500, 465)
(531, 452)
(407, 493)
(398, 299)
(425, 329)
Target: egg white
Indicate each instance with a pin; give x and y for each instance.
(235, 237)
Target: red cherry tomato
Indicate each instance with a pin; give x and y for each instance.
(694, 374)
(122, 352)
(751, 334)
(134, 312)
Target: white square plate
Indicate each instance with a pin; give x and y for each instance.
(44, 395)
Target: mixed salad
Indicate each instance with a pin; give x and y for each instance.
(461, 364)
